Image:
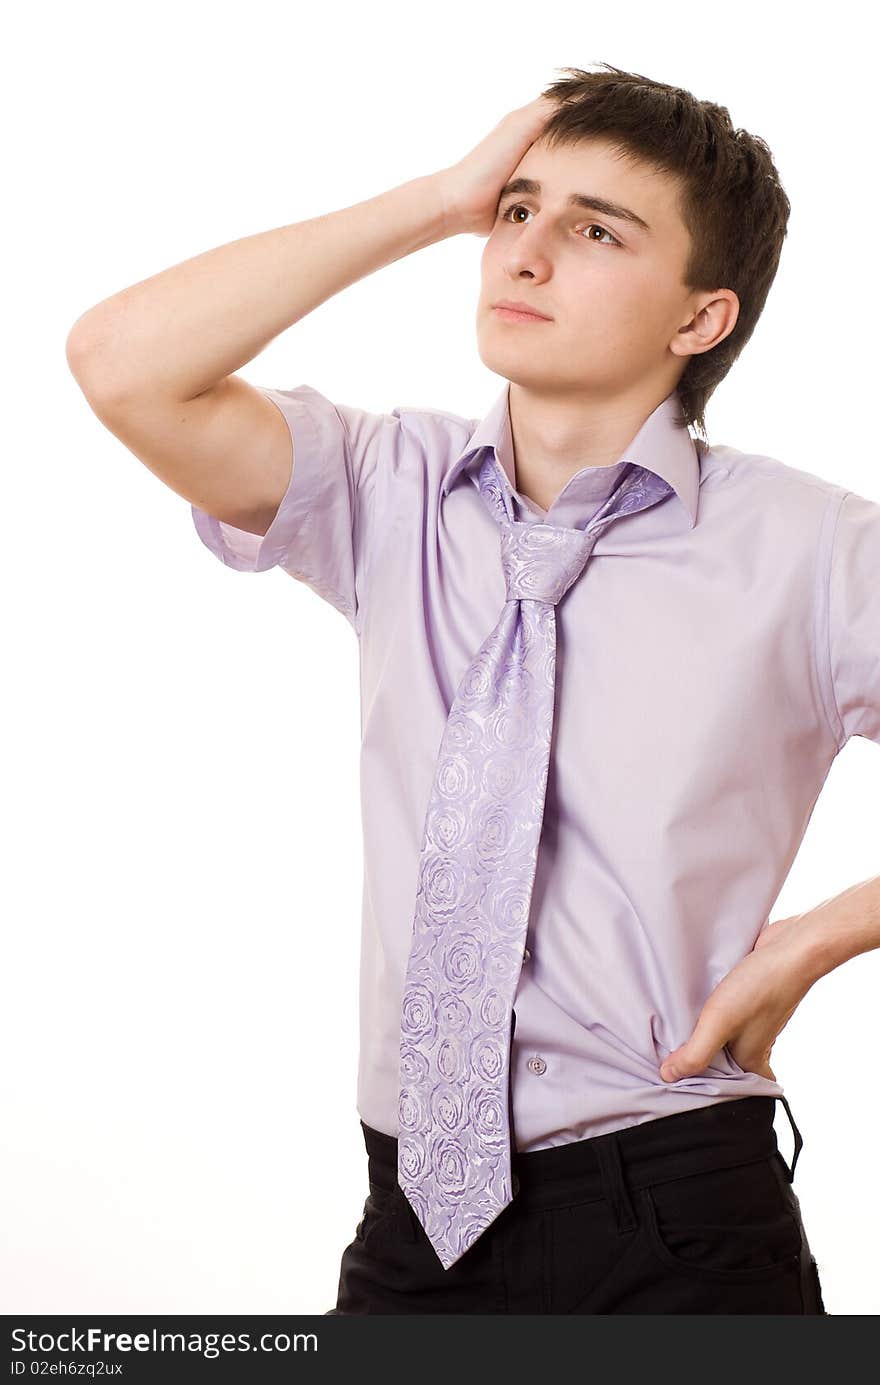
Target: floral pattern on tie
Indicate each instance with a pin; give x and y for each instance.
(476, 872)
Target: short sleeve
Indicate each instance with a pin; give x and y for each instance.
(854, 616)
(327, 523)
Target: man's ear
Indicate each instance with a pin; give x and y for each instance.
(714, 319)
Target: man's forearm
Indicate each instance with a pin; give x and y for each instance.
(181, 331)
(842, 927)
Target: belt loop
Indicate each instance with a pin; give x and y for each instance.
(798, 1138)
(614, 1181)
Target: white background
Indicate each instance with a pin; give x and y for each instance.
(183, 871)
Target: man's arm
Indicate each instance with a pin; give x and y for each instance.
(752, 1004)
(156, 360)
(842, 927)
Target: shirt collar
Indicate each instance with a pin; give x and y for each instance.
(660, 445)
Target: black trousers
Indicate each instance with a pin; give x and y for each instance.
(688, 1213)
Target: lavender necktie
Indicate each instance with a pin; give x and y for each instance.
(476, 872)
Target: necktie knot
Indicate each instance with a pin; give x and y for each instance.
(541, 561)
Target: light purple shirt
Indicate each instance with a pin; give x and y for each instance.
(714, 656)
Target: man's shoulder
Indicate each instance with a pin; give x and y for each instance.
(442, 416)
(434, 437)
(770, 473)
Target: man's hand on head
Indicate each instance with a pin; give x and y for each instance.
(472, 187)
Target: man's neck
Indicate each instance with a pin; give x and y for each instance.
(554, 437)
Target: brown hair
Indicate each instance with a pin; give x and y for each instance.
(732, 201)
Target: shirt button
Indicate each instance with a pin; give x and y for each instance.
(536, 1064)
(526, 955)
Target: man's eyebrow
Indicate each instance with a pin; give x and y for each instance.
(590, 202)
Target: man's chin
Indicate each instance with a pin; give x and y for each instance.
(518, 362)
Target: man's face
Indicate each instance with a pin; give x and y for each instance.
(614, 292)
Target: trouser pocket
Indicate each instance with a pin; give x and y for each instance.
(728, 1223)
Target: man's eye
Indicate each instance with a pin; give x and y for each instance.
(514, 207)
(594, 225)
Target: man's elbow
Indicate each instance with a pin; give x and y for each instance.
(89, 352)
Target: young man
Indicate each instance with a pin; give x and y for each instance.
(605, 668)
